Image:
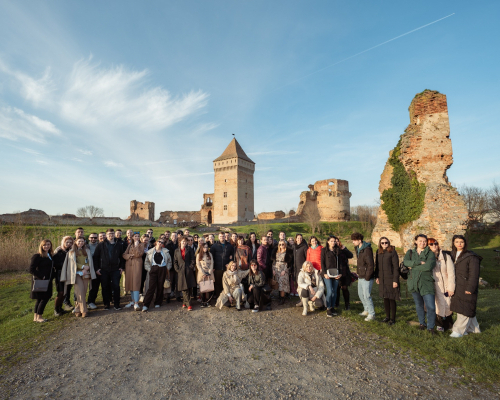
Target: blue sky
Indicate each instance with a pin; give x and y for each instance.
(105, 102)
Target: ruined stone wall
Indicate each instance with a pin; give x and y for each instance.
(168, 217)
(330, 197)
(140, 210)
(271, 215)
(30, 217)
(425, 149)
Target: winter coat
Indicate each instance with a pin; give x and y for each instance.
(314, 255)
(365, 265)
(299, 257)
(40, 268)
(102, 260)
(134, 264)
(467, 267)
(304, 281)
(185, 269)
(148, 262)
(205, 267)
(341, 262)
(242, 256)
(420, 278)
(58, 258)
(70, 268)
(257, 280)
(444, 281)
(253, 252)
(262, 257)
(387, 272)
(222, 255)
(229, 283)
(288, 258)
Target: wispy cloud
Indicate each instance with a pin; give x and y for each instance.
(113, 164)
(15, 124)
(118, 97)
(85, 152)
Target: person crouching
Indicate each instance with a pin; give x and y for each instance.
(232, 292)
(311, 288)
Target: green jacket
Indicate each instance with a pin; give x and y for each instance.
(420, 278)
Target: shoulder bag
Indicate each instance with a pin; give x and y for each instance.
(403, 269)
(42, 285)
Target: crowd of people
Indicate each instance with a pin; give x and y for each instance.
(248, 272)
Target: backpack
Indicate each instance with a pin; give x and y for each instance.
(403, 269)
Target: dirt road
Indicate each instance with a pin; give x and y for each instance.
(169, 353)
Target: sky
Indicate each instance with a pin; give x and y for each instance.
(106, 102)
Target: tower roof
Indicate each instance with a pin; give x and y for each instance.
(233, 150)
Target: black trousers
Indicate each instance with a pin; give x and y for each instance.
(110, 280)
(345, 293)
(40, 306)
(445, 323)
(143, 279)
(94, 290)
(257, 297)
(390, 308)
(157, 277)
(218, 283)
(68, 294)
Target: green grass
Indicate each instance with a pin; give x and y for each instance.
(476, 355)
(484, 243)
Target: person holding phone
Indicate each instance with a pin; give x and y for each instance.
(78, 270)
(387, 277)
(444, 285)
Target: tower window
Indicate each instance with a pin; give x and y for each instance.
(246, 195)
(225, 180)
(225, 194)
(225, 207)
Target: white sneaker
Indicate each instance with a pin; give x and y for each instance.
(304, 313)
(92, 306)
(137, 307)
(144, 309)
(129, 304)
(370, 318)
(141, 299)
(255, 309)
(74, 310)
(364, 314)
(455, 335)
(157, 306)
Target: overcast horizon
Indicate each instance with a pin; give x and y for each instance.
(104, 103)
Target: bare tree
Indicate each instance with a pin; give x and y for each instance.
(494, 200)
(365, 214)
(90, 212)
(476, 201)
(312, 218)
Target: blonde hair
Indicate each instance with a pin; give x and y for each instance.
(306, 263)
(231, 263)
(281, 242)
(63, 241)
(40, 248)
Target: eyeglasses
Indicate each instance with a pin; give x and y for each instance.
(282, 245)
(384, 242)
(92, 237)
(434, 244)
(159, 241)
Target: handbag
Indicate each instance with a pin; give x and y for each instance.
(42, 285)
(206, 285)
(274, 284)
(332, 272)
(166, 284)
(403, 269)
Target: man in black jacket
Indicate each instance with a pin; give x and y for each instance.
(108, 256)
(222, 253)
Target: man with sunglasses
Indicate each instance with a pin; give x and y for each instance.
(158, 263)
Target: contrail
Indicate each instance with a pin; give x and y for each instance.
(364, 51)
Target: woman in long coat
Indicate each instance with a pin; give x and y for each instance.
(133, 269)
(299, 257)
(184, 265)
(444, 284)
(282, 264)
(387, 277)
(41, 267)
(205, 266)
(464, 301)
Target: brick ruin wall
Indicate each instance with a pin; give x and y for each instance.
(426, 149)
(329, 197)
(168, 217)
(271, 215)
(140, 210)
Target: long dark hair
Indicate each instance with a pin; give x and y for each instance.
(453, 248)
(250, 267)
(380, 249)
(201, 253)
(317, 240)
(327, 245)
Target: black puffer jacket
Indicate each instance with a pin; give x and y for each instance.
(387, 272)
(467, 267)
(299, 257)
(339, 258)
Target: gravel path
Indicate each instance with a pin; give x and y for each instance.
(169, 353)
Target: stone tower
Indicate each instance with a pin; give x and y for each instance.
(233, 186)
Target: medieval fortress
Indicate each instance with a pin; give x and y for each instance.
(233, 198)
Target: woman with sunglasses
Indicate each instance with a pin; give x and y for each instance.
(387, 277)
(282, 263)
(444, 285)
(421, 261)
(464, 300)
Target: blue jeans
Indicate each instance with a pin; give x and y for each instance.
(135, 296)
(331, 292)
(430, 303)
(364, 293)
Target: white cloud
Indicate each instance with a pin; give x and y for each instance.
(117, 97)
(85, 152)
(41, 162)
(113, 164)
(15, 124)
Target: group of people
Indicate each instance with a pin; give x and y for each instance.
(240, 272)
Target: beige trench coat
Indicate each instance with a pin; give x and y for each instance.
(444, 281)
(68, 272)
(133, 267)
(205, 265)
